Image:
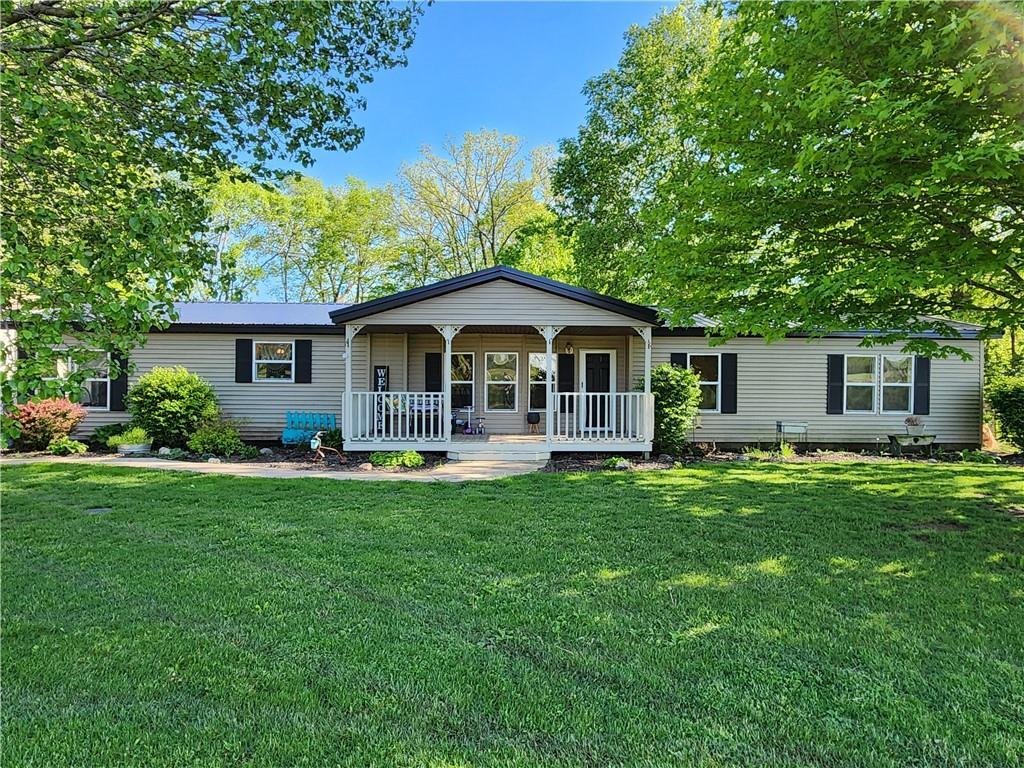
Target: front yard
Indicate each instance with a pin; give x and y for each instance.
(717, 615)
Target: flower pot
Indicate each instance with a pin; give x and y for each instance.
(131, 448)
(915, 429)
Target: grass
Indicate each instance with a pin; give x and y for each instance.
(768, 615)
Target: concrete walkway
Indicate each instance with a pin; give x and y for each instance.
(450, 472)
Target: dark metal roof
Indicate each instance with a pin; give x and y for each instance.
(644, 314)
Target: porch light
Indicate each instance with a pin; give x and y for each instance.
(568, 348)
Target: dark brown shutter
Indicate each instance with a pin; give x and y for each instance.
(243, 361)
(728, 382)
(679, 358)
(303, 361)
(835, 374)
(119, 386)
(922, 385)
(432, 379)
(566, 374)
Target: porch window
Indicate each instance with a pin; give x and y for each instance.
(538, 381)
(897, 383)
(273, 361)
(860, 383)
(707, 369)
(95, 392)
(501, 372)
(462, 379)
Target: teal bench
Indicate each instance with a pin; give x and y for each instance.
(300, 426)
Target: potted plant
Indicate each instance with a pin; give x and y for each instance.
(914, 425)
(132, 440)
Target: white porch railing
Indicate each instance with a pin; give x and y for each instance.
(603, 417)
(396, 416)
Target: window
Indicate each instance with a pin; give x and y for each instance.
(462, 379)
(501, 376)
(860, 383)
(539, 380)
(272, 361)
(897, 383)
(95, 392)
(706, 367)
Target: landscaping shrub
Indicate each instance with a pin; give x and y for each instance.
(41, 422)
(220, 438)
(171, 404)
(100, 435)
(65, 446)
(130, 436)
(1006, 396)
(972, 456)
(331, 438)
(676, 401)
(407, 459)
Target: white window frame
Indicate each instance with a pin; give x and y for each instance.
(530, 383)
(873, 385)
(471, 382)
(717, 383)
(256, 361)
(514, 383)
(72, 367)
(903, 385)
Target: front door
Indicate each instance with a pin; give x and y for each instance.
(597, 379)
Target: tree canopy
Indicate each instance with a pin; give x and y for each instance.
(839, 165)
(117, 119)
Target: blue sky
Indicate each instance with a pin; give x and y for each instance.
(514, 67)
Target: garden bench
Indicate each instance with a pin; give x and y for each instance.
(300, 426)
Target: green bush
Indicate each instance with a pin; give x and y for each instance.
(676, 402)
(612, 462)
(972, 456)
(331, 438)
(219, 437)
(65, 446)
(132, 435)
(100, 435)
(1006, 396)
(409, 459)
(171, 404)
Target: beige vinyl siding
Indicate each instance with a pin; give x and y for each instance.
(480, 343)
(388, 349)
(261, 405)
(500, 302)
(786, 381)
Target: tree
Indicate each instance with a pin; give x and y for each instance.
(860, 166)
(607, 177)
(117, 119)
(460, 210)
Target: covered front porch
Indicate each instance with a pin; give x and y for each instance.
(518, 392)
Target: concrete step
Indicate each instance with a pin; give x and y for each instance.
(499, 455)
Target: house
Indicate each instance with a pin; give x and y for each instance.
(511, 348)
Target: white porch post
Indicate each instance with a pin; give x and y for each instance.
(448, 332)
(548, 332)
(346, 409)
(644, 332)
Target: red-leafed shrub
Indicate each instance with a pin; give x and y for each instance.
(45, 420)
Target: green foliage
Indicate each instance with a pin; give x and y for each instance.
(973, 456)
(100, 435)
(835, 166)
(1006, 396)
(612, 462)
(131, 436)
(176, 454)
(118, 116)
(331, 438)
(218, 437)
(676, 403)
(171, 404)
(42, 421)
(758, 454)
(408, 459)
(787, 450)
(65, 446)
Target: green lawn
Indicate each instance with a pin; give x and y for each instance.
(818, 615)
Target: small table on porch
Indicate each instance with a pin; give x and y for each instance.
(898, 442)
